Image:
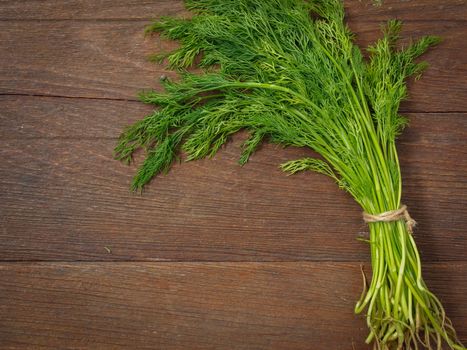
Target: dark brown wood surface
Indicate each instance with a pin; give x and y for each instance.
(286, 305)
(108, 59)
(213, 255)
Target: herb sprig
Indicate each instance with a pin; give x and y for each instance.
(289, 72)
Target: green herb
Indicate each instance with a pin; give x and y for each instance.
(288, 72)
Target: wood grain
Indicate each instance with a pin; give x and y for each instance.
(143, 9)
(107, 59)
(196, 305)
(214, 255)
(32, 117)
(92, 10)
(63, 197)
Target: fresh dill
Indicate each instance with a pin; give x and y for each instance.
(288, 72)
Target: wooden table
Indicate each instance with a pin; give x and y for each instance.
(212, 256)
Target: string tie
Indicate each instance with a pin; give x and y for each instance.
(392, 215)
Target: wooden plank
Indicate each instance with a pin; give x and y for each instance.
(137, 9)
(197, 305)
(451, 10)
(107, 59)
(29, 117)
(63, 197)
(92, 10)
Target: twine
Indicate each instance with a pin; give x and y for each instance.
(392, 215)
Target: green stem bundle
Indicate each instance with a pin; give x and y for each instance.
(299, 80)
(400, 310)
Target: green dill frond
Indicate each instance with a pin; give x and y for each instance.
(313, 164)
(250, 145)
(282, 74)
(295, 79)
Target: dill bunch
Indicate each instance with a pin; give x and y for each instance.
(288, 72)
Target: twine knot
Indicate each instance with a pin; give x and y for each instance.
(392, 215)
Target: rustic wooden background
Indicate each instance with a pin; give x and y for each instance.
(212, 256)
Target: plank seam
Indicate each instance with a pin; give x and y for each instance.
(69, 97)
(146, 19)
(402, 110)
(21, 262)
